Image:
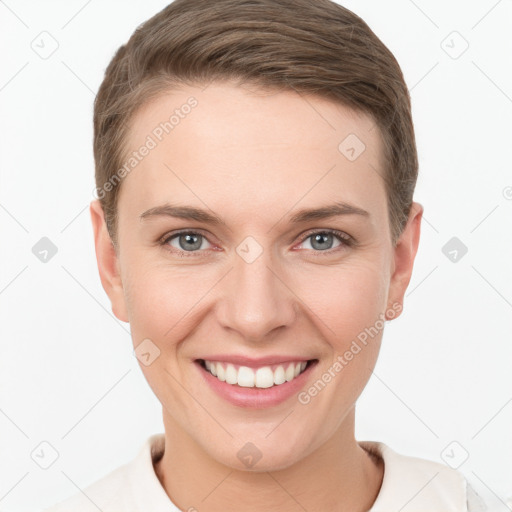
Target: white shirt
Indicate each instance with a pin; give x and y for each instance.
(410, 484)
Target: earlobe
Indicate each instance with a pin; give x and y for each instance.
(403, 258)
(108, 263)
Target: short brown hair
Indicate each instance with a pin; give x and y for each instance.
(316, 47)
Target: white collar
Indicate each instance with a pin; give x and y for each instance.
(410, 484)
(413, 484)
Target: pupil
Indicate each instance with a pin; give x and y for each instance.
(192, 242)
(321, 239)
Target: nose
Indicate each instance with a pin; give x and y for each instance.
(257, 300)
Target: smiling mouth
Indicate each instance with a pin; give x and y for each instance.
(261, 377)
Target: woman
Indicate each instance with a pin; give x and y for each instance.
(255, 225)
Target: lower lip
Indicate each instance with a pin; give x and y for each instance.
(256, 398)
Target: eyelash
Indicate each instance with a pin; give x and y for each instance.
(347, 241)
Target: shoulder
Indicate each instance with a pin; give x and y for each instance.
(413, 483)
(103, 494)
(132, 487)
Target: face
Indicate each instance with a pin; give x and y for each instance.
(269, 283)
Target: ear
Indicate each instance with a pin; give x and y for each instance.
(403, 258)
(108, 262)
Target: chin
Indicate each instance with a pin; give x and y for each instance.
(258, 457)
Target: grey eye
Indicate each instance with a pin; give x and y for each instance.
(321, 241)
(187, 241)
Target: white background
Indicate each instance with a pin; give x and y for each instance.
(67, 372)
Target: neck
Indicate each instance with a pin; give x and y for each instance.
(339, 476)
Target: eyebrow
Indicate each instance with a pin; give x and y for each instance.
(302, 216)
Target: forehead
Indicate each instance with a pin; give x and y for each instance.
(251, 149)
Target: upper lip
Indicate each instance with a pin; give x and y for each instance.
(256, 361)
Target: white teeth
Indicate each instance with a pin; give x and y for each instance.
(231, 374)
(279, 375)
(221, 373)
(263, 377)
(245, 377)
(290, 372)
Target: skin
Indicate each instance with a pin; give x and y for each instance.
(254, 158)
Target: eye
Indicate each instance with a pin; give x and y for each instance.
(185, 242)
(191, 243)
(323, 241)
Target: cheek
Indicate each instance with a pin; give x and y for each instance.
(160, 304)
(346, 295)
(349, 310)
(159, 298)
(347, 299)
